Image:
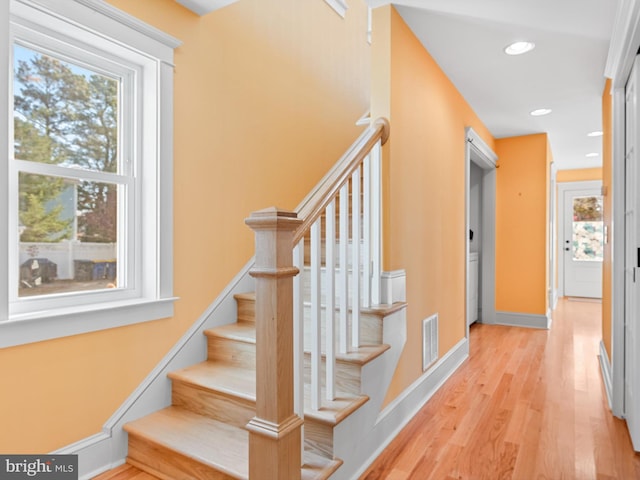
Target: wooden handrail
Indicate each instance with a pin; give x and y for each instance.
(327, 189)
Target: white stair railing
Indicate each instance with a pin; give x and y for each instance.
(340, 285)
(293, 324)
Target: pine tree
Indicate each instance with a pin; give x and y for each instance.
(66, 118)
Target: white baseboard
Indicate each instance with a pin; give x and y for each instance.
(108, 449)
(605, 367)
(393, 286)
(400, 411)
(526, 320)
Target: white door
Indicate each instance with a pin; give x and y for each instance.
(631, 259)
(583, 243)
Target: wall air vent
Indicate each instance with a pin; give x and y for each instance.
(429, 341)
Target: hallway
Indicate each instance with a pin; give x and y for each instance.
(528, 404)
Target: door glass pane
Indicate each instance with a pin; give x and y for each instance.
(587, 229)
(68, 235)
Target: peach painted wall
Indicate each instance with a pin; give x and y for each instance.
(425, 185)
(267, 93)
(522, 224)
(579, 175)
(607, 183)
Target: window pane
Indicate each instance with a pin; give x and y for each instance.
(68, 235)
(64, 114)
(587, 229)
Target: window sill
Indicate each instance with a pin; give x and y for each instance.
(47, 325)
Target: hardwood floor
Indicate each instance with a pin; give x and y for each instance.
(528, 404)
(125, 472)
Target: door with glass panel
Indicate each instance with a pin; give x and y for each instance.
(583, 243)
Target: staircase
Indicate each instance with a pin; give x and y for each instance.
(216, 417)
(203, 436)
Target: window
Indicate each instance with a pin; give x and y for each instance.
(89, 150)
(587, 238)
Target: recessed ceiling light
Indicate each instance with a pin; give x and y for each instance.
(592, 154)
(518, 48)
(596, 133)
(540, 111)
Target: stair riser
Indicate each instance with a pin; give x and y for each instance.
(167, 464)
(232, 351)
(323, 253)
(370, 329)
(246, 310)
(228, 409)
(347, 375)
(306, 291)
(318, 438)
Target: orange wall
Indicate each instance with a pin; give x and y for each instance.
(425, 185)
(579, 175)
(607, 182)
(266, 97)
(521, 224)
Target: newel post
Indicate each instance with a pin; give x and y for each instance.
(275, 431)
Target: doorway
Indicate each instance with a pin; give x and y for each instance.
(580, 239)
(480, 181)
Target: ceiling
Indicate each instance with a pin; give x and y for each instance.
(565, 72)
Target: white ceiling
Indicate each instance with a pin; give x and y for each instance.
(565, 72)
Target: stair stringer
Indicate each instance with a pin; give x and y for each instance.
(376, 377)
(108, 449)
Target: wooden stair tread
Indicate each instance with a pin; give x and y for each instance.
(219, 377)
(332, 412)
(245, 296)
(317, 467)
(363, 354)
(215, 444)
(240, 382)
(240, 331)
(212, 443)
(383, 310)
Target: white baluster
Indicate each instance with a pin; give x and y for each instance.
(376, 223)
(298, 337)
(355, 258)
(343, 280)
(366, 233)
(330, 304)
(316, 333)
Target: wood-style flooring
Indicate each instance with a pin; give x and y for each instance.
(527, 405)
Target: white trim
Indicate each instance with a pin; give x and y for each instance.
(487, 159)
(340, 6)
(605, 368)
(364, 120)
(526, 320)
(625, 40)
(617, 235)
(394, 286)
(478, 152)
(5, 47)
(108, 449)
(98, 16)
(101, 28)
(91, 453)
(401, 411)
(562, 188)
(202, 7)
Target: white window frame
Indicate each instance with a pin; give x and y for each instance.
(91, 30)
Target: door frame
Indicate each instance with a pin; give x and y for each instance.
(625, 42)
(478, 152)
(563, 188)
